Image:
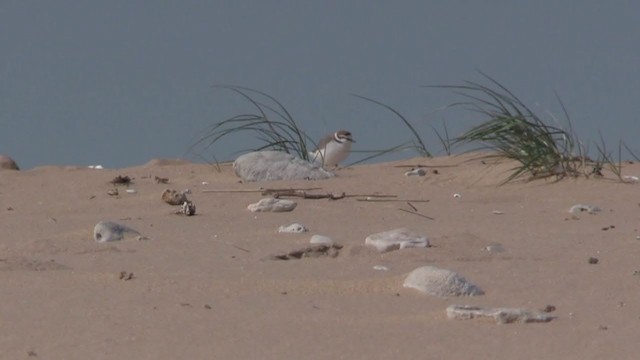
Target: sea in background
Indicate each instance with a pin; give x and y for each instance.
(120, 83)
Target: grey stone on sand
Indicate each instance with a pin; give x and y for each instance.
(499, 315)
(578, 208)
(277, 165)
(440, 282)
(7, 163)
(294, 228)
(172, 197)
(321, 240)
(272, 205)
(106, 231)
(396, 239)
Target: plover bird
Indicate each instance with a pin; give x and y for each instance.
(332, 149)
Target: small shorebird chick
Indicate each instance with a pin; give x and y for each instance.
(332, 149)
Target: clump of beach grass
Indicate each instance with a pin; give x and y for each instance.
(270, 121)
(513, 131)
(416, 144)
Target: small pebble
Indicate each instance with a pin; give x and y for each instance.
(593, 260)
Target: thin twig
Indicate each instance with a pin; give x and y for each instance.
(416, 213)
(391, 200)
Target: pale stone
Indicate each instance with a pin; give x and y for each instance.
(416, 172)
(321, 240)
(294, 228)
(277, 165)
(591, 209)
(106, 231)
(499, 315)
(172, 197)
(397, 239)
(440, 282)
(272, 205)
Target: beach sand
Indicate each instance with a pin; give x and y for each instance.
(204, 287)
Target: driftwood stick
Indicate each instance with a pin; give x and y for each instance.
(372, 195)
(306, 195)
(260, 190)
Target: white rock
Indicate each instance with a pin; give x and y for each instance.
(416, 172)
(494, 248)
(500, 315)
(277, 165)
(440, 282)
(294, 228)
(273, 205)
(396, 239)
(380, 268)
(591, 209)
(106, 231)
(321, 240)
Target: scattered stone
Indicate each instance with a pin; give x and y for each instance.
(273, 205)
(397, 239)
(584, 208)
(497, 212)
(7, 163)
(499, 315)
(321, 240)
(549, 308)
(172, 197)
(277, 165)
(593, 260)
(294, 228)
(188, 208)
(106, 231)
(122, 180)
(440, 282)
(313, 251)
(416, 172)
(113, 192)
(380, 268)
(630, 179)
(161, 180)
(125, 275)
(131, 191)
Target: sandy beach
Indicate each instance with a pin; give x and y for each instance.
(206, 286)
